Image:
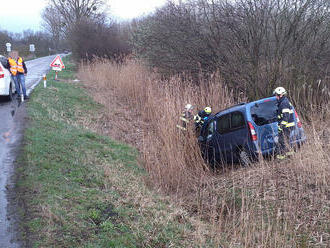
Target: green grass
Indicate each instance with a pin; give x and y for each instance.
(81, 189)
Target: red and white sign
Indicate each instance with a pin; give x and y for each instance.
(57, 64)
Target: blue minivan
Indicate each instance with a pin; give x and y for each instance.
(244, 132)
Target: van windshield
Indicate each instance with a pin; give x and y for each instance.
(264, 112)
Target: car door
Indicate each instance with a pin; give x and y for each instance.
(209, 139)
(264, 115)
(239, 134)
(223, 137)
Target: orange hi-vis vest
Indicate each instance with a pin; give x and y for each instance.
(13, 66)
(20, 65)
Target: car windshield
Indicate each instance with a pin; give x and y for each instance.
(264, 112)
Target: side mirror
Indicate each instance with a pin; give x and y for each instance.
(201, 139)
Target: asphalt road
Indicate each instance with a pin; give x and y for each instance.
(12, 120)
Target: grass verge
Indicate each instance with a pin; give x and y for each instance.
(80, 189)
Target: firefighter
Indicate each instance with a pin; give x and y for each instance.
(285, 115)
(201, 117)
(186, 117)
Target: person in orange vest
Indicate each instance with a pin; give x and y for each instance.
(21, 73)
(13, 71)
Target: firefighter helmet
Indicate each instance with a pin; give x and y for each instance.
(188, 107)
(208, 110)
(279, 91)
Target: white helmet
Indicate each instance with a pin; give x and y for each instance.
(279, 91)
(188, 107)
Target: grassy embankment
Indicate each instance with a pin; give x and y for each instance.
(271, 204)
(80, 189)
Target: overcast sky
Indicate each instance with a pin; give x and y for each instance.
(19, 15)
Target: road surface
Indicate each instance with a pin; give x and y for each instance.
(12, 118)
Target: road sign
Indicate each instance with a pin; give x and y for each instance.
(57, 64)
(8, 45)
(32, 48)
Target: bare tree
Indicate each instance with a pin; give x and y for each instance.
(73, 11)
(53, 23)
(65, 19)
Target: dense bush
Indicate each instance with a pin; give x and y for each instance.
(254, 44)
(89, 38)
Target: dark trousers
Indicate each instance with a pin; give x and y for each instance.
(284, 140)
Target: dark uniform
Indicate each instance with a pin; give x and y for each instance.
(200, 119)
(285, 115)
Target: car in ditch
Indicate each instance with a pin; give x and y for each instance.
(7, 85)
(244, 132)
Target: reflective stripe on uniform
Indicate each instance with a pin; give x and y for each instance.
(20, 65)
(184, 119)
(197, 118)
(182, 128)
(13, 66)
(291, 124)
(287, 124)
(286, 110)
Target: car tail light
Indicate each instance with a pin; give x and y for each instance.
(298, 120)
(252, 131)
(2, 74)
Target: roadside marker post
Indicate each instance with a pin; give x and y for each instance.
(45, 82)
(57, 65)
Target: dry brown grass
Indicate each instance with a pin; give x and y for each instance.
(271, 204)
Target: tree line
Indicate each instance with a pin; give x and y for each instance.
(253, 44)
(21, 42)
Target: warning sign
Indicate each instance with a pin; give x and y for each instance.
(57, 64)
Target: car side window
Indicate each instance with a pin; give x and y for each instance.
(223, 124)
(237, 120)
(210, 129)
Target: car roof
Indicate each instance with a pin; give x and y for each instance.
(243, 105)
(267, 99)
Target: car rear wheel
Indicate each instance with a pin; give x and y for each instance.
(244, 158)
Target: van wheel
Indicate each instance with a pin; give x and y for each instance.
(244, 158)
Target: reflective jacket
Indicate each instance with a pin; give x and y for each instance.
(285, 113)
(21, 68)
(13, 66)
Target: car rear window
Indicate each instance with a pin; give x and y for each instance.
(264, 112)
